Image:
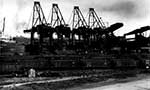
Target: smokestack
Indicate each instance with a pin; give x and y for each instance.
(3, 25)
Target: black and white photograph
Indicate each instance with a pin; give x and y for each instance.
(74, 44)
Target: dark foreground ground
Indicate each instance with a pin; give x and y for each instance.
(71, 83)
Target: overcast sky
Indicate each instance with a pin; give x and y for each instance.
(133, 13)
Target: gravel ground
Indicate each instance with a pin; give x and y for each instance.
(142, 82)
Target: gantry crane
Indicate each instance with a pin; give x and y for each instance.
(79, 25)
(102, 36)
(140, 41)
(58, 22)
(79, 28)
(96, 27)
(95, 23)
(38, 19)
(39, 26)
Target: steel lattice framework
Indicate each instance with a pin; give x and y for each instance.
(38, 15)
(78, 19)
(94, 21)
(57, 18)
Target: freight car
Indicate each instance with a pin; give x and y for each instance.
(21, 64)
(18, 64)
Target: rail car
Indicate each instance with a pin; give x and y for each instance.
(21, 64)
